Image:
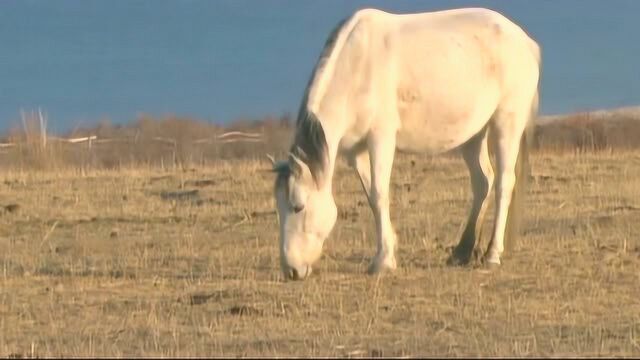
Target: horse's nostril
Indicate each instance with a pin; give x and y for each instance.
(294, 274)
(291, 274)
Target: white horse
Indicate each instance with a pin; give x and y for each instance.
(426, 82)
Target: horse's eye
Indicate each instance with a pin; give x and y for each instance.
(298, 208)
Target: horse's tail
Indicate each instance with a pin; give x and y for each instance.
(522, 172)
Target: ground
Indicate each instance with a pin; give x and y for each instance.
(151, 262)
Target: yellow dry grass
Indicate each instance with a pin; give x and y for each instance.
(107, 263)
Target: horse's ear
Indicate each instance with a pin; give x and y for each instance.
(296, 164)
(276, 166)
(301, 152)
(298, 168)
(273, 161)
(280, 167)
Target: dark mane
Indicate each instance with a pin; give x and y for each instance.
(310, 144)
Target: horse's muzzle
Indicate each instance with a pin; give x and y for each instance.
(292, 273)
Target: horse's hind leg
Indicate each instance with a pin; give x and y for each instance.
(507, 130)
(476, 155)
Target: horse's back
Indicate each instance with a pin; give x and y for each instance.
(443, 73)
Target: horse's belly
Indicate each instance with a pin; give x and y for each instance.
(422, 130)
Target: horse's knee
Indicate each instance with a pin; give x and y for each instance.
(490, 176)
(379, 200)
(506, 182)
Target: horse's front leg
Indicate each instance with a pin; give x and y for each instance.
(361, 164)
(381, 152)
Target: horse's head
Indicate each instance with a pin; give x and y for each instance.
(307, 214)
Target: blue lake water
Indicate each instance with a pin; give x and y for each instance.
(86, 60)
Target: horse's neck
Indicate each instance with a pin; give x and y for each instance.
(333, 134)
(329, 108)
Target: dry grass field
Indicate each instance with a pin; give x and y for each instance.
(146, 262)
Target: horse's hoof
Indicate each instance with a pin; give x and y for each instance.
(458, 260)
(491, 259)
(461, 255)
(490, 266)
(378, 266)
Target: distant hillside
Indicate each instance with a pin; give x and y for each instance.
(603, 114)
(175, 141)
(593, 130)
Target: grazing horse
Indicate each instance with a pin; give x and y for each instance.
(425, 82)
